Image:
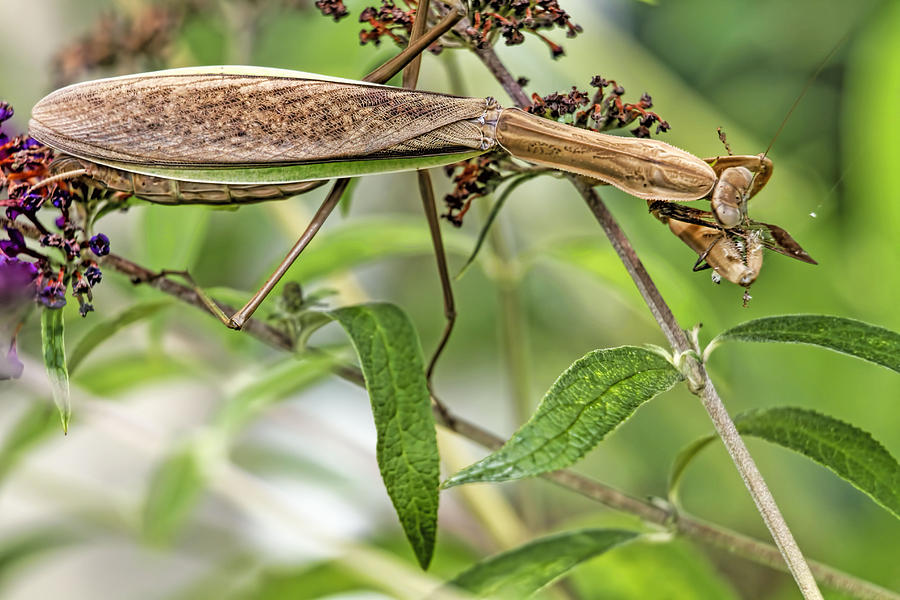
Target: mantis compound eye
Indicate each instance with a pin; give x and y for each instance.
(727, 215)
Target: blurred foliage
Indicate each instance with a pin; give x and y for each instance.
(304, 474)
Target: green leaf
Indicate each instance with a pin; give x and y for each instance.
(849, 452)
(273, 384)
(675, 570)
(522, 571)
(363, 241)
(54, 350)
(106, 329)
(868, 342)
(173, 492)
(590, 399)
(392, 363)
(16, 549)
(119, 374)
(495, 210)
(680, 465)
(34, 425)
(172, 242)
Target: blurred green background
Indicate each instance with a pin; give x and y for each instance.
(73, 508)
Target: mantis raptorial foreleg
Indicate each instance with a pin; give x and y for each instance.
(380, 75)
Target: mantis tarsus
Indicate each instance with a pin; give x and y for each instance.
(228, 135)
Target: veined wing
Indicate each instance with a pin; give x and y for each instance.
(770, 236)
(237, 116)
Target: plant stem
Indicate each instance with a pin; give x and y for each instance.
(686, 525)
(696, 375)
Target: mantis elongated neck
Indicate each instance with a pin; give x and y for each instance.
(645, 168)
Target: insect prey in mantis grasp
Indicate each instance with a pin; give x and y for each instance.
(232, 135)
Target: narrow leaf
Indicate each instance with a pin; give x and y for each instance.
(106, 329)
(35, 425)
(54, 350)
(868, 342)
(680, 465)
(851, 453)
(364, 241)
(526, 569)
(173, 492)
(391, 359)
(590, 399)
(272, 385)
(495, 210)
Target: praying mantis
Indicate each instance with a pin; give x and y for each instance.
(233, 135)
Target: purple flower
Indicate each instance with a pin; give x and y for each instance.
(61, 199)
(61, 222)
(16, 279)
(14, 245)
(93, 275)
(52, 295)
(6, 111)
(80, 285)
(30, 142)
(100, 245)
(10, 366)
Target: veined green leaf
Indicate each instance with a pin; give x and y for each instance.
(54, 350)
(868, 342)
(522, 571)
(106, 329)
(849, 452)
(590, 399)
(392, 363)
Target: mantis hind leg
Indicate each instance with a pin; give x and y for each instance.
(426, 191)
(418, 43)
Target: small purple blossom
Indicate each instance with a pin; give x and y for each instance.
(10, 366)
(60, 222)
(14, 245)
(52, 295)
(16, 280)
(100, 245)
(93, 275)
(6, 111)
(30, 142)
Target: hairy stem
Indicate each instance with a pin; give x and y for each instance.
(686, 525)
(696, 375)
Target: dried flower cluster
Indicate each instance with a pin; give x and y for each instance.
(489, 21)
(512, 19)
(599, 111)
(115, 39)
(23, 163)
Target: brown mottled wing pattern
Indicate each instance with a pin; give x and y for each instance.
(230, 119)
